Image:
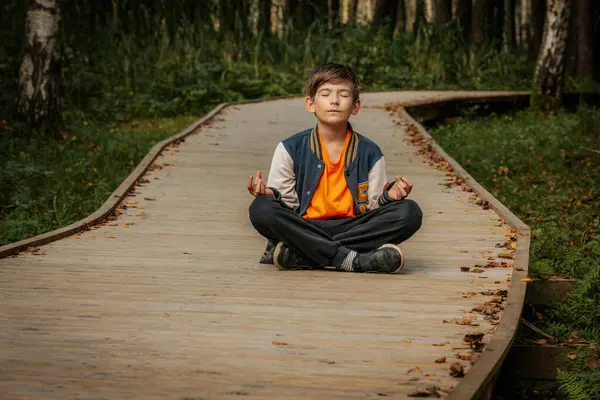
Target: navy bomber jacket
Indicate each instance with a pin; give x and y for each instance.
(298, 164)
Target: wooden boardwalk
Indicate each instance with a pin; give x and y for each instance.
(169, 300)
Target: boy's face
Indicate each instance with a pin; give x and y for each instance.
(333, 103)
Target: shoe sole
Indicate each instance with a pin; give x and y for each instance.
(281, 268)
(276, 257)
(393, 246)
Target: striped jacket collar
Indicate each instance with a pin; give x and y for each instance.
(351, 150)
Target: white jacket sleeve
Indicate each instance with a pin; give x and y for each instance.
(377, 181)
(282, 177)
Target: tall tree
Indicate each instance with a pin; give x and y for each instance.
(442, 12)
(334, 13)
(538, 18)
(481, 25)
(525, 26)
(39, 76)
(463, 16)
(583, 36)
(352, 8)
(400, 18)
(264, 16)
(385, 14)
(497, 22)
(550, 68)
(411, 8)
(510, 34)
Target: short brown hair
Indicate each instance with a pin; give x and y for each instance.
(331, 72)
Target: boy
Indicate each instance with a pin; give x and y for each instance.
(327, 201)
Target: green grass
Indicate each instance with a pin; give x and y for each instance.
(543, 167)
(546, 169)
(47, 183)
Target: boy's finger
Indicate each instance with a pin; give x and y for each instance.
(408, 182)
(259, 175)
(250, 183)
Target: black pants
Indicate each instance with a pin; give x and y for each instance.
(328, 242)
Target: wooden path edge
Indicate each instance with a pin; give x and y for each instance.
(478, 382)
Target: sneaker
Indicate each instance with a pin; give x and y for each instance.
(286, 258)
(267, 257)
(387, 259)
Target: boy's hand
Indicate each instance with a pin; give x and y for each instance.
(400, 189)
(256, 187)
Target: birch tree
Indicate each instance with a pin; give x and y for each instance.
(38, 100)
(550, 68)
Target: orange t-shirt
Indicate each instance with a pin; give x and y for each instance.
(332, 198)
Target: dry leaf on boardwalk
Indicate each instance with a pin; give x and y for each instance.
(457, 370)
(414, 371)
(441, 360)
(278, 343)
(431, 391)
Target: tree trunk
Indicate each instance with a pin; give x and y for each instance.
(429, 10)
(264, 16)
(463, 17)
(442, 13)
(334, 13)
(380, 12)
(40, 71)
(583, 34)
(510, 40)
(410, 12)
(525, 27)
(480, 24)
(496, 18)
(549, 72)
(400, 18)
(538, 17)
(352, 6)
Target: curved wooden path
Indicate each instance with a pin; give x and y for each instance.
(167, 299)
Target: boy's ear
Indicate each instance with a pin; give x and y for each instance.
(310, 104)
(356, 107)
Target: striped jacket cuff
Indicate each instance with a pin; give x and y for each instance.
(384, 198)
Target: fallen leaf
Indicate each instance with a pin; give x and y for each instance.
(527, 280)
(441, 344)
(414, 371)
(463, 251)
(278, 343)
(75, 237)
(109, 236)
(150, 198)
(142, 214)
(407, 341)
(431, 391)
(477, 270)
(130, 202)
(465, 356)
(430, 374)
(441, 360)
(465, 269)
(506, 254)
(457, 370)
(572, 356)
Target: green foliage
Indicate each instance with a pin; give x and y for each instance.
(541, 168)
(48, 183)
(580, 386)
